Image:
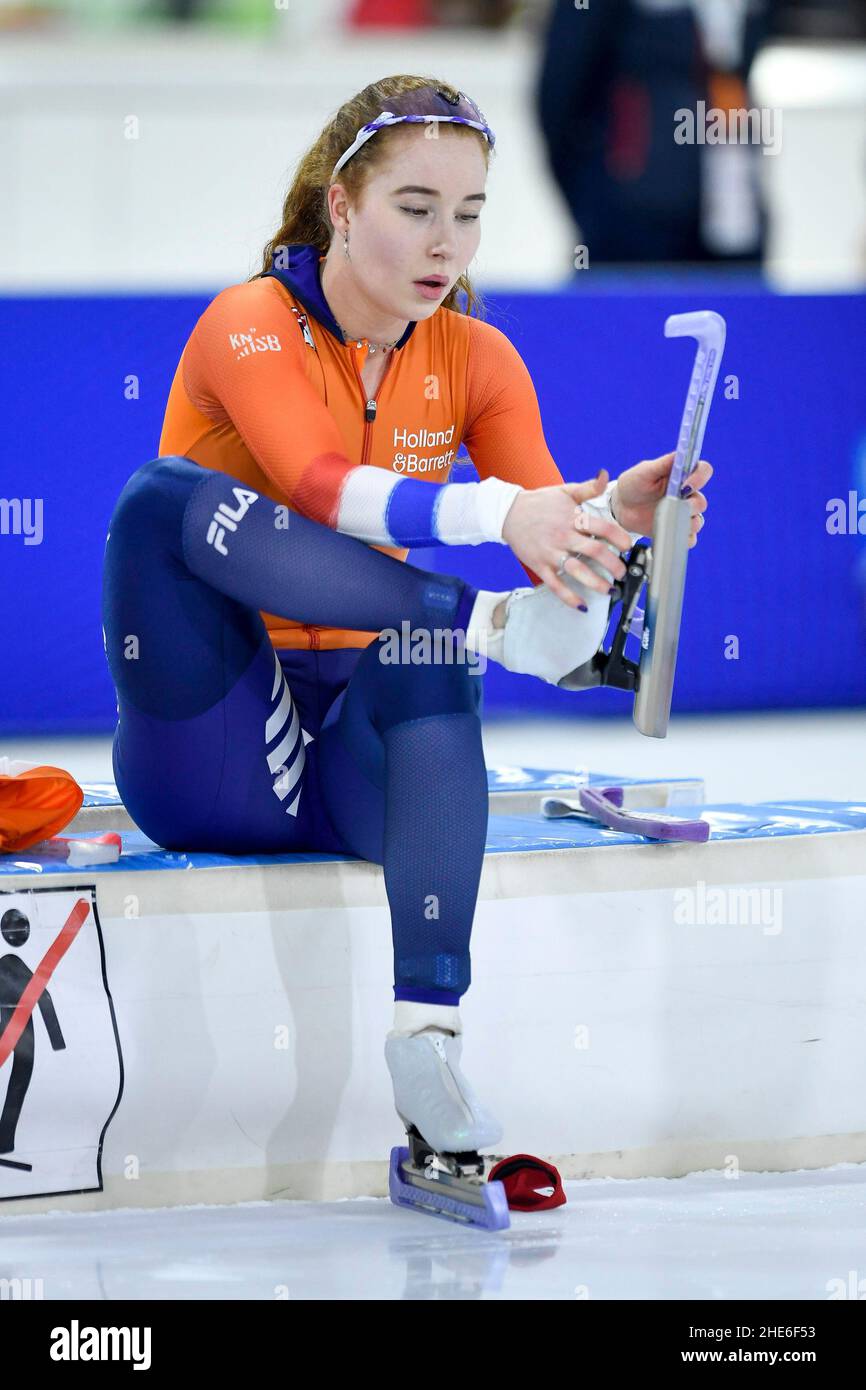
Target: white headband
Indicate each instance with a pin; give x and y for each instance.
(386, 118)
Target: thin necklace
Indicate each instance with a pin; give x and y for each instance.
(371, 347)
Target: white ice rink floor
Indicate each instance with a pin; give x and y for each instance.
(758, 1236)
(764, 1236)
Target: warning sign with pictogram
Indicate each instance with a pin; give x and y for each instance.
(61, 1070)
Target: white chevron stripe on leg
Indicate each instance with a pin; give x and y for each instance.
(289, 774)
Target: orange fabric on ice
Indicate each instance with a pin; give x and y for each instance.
(35, 804)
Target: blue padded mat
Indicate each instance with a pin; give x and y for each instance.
(506, 834)
(499, 779)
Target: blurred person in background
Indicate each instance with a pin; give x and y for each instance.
(613, 77)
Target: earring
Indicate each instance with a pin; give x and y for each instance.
(346, 245)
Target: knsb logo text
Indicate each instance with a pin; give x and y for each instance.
(249, 343)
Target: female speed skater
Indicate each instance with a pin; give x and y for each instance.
(253, 569)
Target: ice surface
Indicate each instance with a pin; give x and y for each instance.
(758, 1236)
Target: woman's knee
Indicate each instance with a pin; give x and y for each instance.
(152, 501)
(417, 685)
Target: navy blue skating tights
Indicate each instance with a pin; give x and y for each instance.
(225, 745)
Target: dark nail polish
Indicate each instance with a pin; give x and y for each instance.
(687, 492)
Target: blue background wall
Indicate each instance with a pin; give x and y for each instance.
(611, 389)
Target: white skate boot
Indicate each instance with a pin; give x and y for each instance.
(431, 1092)
(441, 1171)
(543, 636)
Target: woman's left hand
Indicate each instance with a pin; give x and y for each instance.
(638, 490)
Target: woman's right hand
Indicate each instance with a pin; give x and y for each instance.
(543, 523)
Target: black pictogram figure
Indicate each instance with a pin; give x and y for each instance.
(14, 979)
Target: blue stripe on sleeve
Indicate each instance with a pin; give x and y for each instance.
(409, 515)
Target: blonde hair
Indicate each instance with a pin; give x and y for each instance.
(305, 218)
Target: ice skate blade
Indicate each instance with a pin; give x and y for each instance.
(442, 1196)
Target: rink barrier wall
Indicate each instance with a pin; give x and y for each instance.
(611, 396)
(224, 1017)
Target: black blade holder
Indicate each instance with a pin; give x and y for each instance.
(613, 667)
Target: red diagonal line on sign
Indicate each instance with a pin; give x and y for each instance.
(40, 977)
